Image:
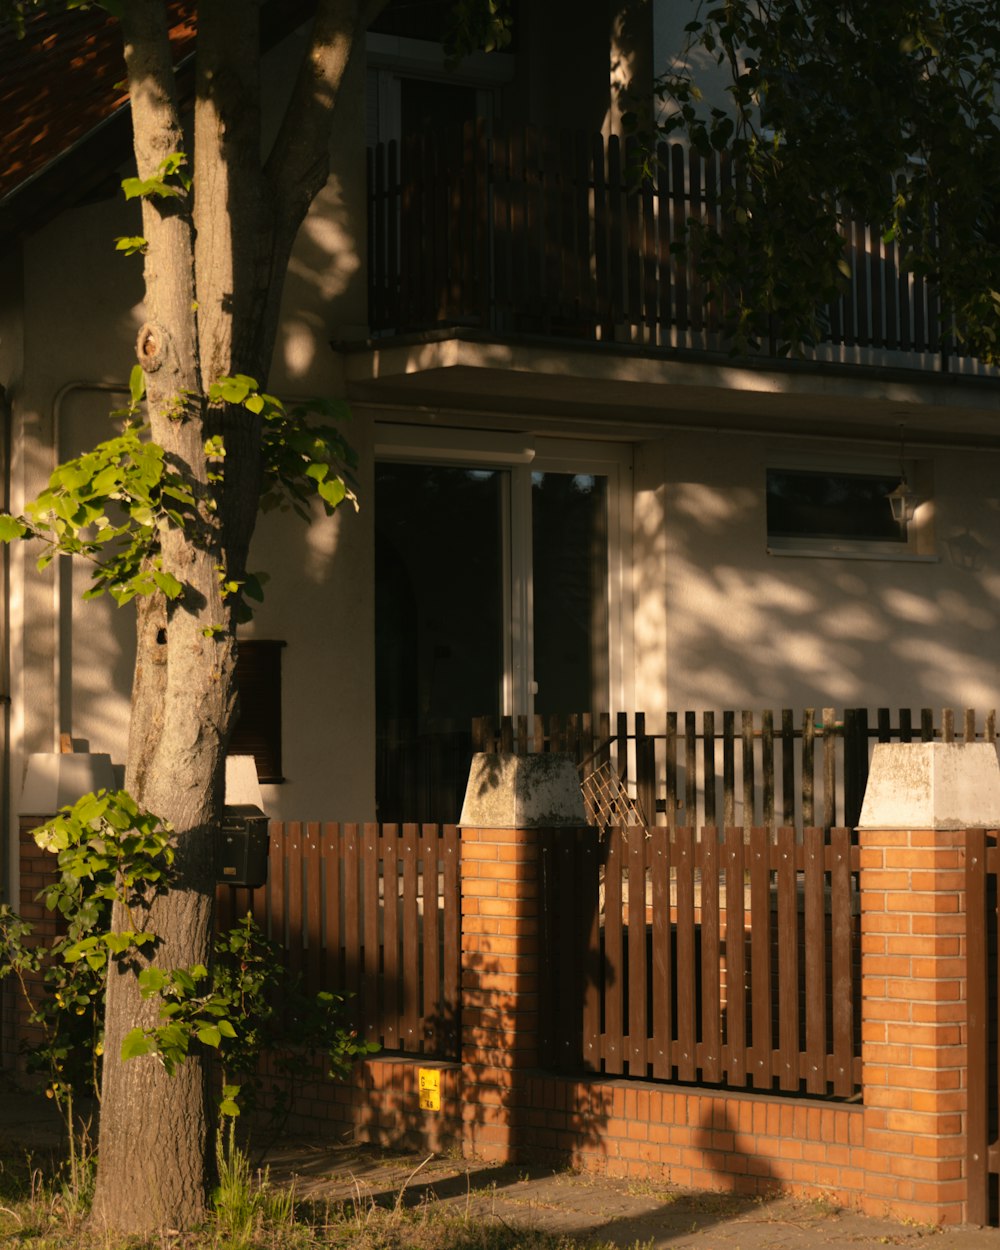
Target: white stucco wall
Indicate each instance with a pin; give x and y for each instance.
(741, 628)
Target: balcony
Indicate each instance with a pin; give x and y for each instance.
(525, 233)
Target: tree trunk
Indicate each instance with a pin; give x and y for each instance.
(154, 1147)
(213, 270)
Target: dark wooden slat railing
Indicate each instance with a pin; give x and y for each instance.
(793, 769)
(519, 231)
(373, 911)
(728, 958)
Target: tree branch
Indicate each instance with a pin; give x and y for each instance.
(298, 165)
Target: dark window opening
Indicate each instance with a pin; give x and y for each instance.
(817, 504)
(258, 725)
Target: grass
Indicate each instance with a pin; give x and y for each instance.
(41, 1210)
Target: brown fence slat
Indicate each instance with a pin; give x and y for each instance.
(728, 768)
(829, 768)
(711, 1022)
(430, 1006)
(592, 971)
(662, 956)
(409, 1036)
(614, 961)
(352, 919)
(293, 892)
(687, 1047)
(761, 989)
(333, 963)
(636, 951)
(312, 921)
(808, 811)
(736, 986)
(690, 769)
(452, 953)
(708, 767)
(276, 886)
(788, 962)
(670, 769)
(815, 942)
(842, 965)
(767, 767)
(787, 767)
(370, 996)
(749, 799)
(390, 935)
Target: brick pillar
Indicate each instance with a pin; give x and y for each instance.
(509, 799)
(920, 799)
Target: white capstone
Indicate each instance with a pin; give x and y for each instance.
(932, 785)
(522, 792)
(52, 781)
(242, 785)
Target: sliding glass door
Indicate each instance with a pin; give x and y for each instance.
(497, 593)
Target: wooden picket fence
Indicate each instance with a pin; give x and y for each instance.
(767, 768)
(371, 911)
(732, 958)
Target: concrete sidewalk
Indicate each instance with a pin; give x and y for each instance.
(584, 1206)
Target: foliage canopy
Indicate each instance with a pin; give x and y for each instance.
(888, 112)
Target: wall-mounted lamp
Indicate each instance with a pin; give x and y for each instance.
(904, 499)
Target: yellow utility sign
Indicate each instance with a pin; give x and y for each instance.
(430, 1089)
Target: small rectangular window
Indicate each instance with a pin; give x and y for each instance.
(258, 727)
(844, 511)
(829, 505)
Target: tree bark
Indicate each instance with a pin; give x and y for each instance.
(214, 266)
(154, 1149)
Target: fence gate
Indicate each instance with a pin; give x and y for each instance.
(982, 865)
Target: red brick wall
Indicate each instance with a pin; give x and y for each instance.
(742, 1142)
(901, 1153)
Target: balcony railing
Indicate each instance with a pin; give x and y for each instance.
(526, 232)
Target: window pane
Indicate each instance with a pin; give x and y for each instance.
(816, 504)
(570, 571)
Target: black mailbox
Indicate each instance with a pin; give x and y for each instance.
(242, 846)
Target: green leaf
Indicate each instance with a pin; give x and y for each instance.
(332, 492)
(137, 384)
(152, 981)
(11, 528)
(130, 244)
(209, 1035)
(135, 1043)
(169, 584)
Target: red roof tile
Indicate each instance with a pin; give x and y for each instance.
(62, 80)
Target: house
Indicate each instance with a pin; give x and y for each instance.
(572, 496)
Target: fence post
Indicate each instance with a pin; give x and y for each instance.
(920, 799)
(511, 800)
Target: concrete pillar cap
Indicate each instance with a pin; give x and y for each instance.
(52, 781)
(932, 785)
(522, 792)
